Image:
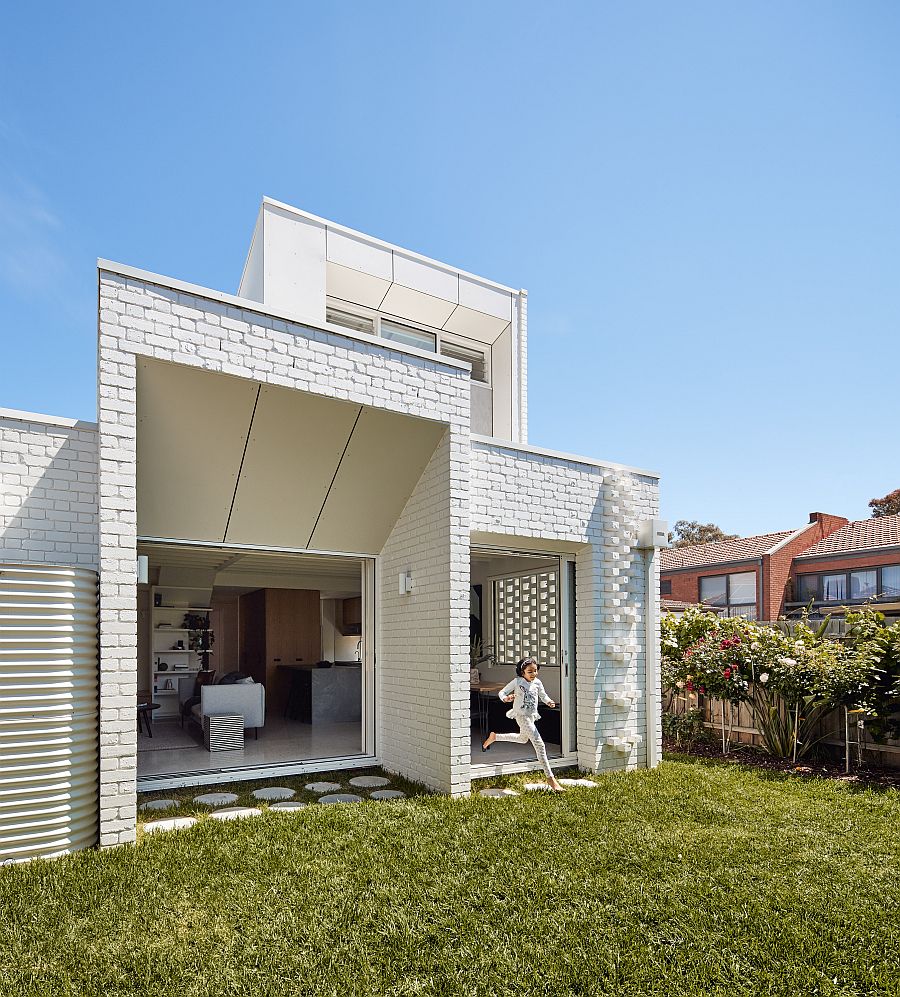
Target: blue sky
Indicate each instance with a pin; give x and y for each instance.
(701, 198)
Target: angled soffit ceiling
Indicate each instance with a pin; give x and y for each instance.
(378, 277)
(223, 460)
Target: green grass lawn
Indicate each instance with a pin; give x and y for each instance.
(692, 879)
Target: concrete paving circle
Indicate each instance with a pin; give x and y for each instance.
(340, 798)
(369, 782)
(586, 783)
(322, 787)
(498, 793)
(235, 813)
(387, 794)
(273, 793)
(170, 824)
(535, 786)
(285, 808)
(215, 799)
(159, 805)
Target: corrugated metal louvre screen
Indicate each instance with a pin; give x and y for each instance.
(48, 710)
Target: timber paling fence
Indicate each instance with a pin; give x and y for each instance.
(841, 729)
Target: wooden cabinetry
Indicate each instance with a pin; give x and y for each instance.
(279, 626)
(173, 668)
(351, 617)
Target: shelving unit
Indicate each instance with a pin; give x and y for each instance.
(172, 685)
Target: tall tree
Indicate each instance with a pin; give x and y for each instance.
(887, 505)
(688, 533)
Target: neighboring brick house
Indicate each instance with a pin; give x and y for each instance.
(346, 436)
(747, 576)
(857, 564)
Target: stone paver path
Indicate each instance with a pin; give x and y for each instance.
(369, 782)
(170, 824)
(322, 787)
(584, 783)
(235, 813)
(498, 793)
(159, 804)
(340, 798)
(290, 806)
(216, 799)
(273, 793)
(387, 794)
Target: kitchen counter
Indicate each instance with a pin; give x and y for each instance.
(325, 695)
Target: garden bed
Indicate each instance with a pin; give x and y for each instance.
(745, 754)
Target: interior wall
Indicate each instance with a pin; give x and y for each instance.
(225, 619)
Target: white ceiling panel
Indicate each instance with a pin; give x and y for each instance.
(483, 298)
(426, 278)
(353, 285)
(359, 255)
(417, 306)
(475, 325)
(293, 451)
(191, 429)
(384, 460)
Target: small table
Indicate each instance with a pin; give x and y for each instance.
(145, 710)
(482, 694)
(223, 731)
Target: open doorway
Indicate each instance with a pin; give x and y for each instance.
(250, 660)
(517, 610)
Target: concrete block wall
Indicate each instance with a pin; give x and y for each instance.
(48, 489)
(524, 494)
(146, 315)
(423, 645)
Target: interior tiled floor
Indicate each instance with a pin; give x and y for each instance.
(174, 749)
(502, 751)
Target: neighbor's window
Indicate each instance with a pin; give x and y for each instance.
(890, 580)
(807, 587)
(358, 323)
(834, 587)
(665, 588)
(863, 584)
(408, 336)
(474, 357)
(737, 593)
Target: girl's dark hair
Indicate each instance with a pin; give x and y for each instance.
(520, 667)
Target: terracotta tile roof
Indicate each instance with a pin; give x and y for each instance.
(866, 534)
(720, 551)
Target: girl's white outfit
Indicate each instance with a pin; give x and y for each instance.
(524, 711)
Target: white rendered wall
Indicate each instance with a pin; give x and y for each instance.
(423, 660)
(141, 316)
(48, 489)
(519, 494)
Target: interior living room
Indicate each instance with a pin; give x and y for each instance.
(248, 659)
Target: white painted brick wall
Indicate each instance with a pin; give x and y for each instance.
(521, 494)
(140, 317)
(423, 660)
(48, 490)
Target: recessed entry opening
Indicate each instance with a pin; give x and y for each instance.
(250, 659)
(518, 609)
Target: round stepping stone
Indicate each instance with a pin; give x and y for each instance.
(536, 786)
(322, 787)
(340, 798)
(284, 808)
(159, 804)
(586, 783)
(273, 793)
(171, 824)
(369, 782)
(215, 799)
(235, 813)
(497, 793)
(387, 794)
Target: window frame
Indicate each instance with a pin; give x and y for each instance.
(729, 605)
(846, 572)
(451, 339)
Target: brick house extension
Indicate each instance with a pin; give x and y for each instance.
(747, 576)
(330, 467)
(856, 564)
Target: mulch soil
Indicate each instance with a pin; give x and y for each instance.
(867, 776)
